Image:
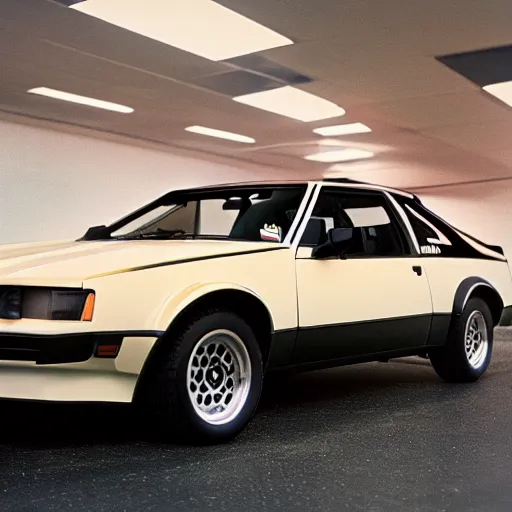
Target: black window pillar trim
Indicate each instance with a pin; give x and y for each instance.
(306, 214)
(406, 224)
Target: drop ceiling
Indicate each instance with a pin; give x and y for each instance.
(378, 60)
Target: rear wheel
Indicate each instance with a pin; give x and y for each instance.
(468, 349)
(205, 384)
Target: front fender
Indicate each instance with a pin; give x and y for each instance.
(180, 301)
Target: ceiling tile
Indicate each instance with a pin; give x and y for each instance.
(237, 83)
(441, 110)
(48, 21)
(481, 137)
(503, 157)
(383, 76)
(375, 59)
(265, 66)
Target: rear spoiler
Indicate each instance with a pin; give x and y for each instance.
(496, 248)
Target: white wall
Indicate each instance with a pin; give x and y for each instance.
(483, 210)
(54, 184)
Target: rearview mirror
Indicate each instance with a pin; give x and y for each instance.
(338, 241)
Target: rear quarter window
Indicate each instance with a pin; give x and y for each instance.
(435, 237)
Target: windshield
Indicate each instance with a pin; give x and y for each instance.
(247, 213)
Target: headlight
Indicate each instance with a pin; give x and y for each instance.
(10, 303)
(46, 303)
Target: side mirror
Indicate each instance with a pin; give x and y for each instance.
(338, 241)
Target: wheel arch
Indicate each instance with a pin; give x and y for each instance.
(178, 305)
(478, 287)
(242, 301)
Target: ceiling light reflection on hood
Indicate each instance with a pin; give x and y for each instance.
(342, 155)
(82, 100)
(201, 27)
(211, 132)
(291, 102)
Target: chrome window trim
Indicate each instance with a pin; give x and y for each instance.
(309, 211)
(289, 238)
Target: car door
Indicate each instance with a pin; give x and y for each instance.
(376, 298)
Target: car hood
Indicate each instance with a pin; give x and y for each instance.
(66, 263)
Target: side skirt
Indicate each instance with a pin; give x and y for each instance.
(345, 361)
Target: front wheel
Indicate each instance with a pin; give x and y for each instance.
(467, 352)
(206, 382)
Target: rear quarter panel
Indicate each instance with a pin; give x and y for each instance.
(446, 274)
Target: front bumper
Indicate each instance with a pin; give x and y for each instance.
(70, 367)
(55, 349)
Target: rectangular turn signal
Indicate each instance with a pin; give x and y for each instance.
(107, 350)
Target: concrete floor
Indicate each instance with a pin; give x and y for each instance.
(374, 437)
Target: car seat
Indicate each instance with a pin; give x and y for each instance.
(268, 212)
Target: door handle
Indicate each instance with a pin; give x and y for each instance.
(417, 270)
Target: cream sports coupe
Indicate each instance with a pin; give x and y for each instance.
(182, 306)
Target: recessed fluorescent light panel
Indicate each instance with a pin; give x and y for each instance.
(220, 134)
(290, 102)
(343, 155)
(342, 129)
(502, 91)
(82, 100)
(202, 27)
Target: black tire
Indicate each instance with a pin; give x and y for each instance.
(451, 362)
(165, 394)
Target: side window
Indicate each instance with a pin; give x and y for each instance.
(376, 232)
(214, 219)
(163, 217)
(268, 218)
(181, 217)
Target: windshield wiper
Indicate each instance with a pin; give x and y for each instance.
(158, 234)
